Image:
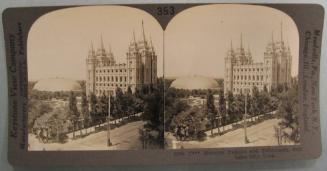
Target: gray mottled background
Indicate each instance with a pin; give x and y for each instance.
(318, 164)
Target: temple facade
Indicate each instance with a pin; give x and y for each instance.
(104, 74)
(242, 73)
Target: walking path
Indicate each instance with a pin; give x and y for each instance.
(126, 137)
(92, 128)
(261, 134)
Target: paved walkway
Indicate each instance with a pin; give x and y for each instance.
(261, 134)
(126, 137)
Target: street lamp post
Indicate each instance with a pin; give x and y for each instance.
(246, 140)
(108, 125)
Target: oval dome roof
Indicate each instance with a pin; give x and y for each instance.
(194, 82)
(57, 84)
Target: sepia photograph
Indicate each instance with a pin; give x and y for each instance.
(110, 78)
(95, 80)
(231, 78)
(162, 83)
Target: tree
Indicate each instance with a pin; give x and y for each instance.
(231, 107)
(173, 106)
(211, 109)
(288, 111)
(129, 90)
(256, 104)
(153, 112)
(93, 107)
(36, 108)
(280, 88)
(85, 110)
(266, 102)
(113, 111)
(130, 104)
(222, 108)
(153, 108)
(119, 105)
(74, 115)
(265, 89)
(190, 123)
(239, 107)
(138, 104)
(104, 107)
(55, 123)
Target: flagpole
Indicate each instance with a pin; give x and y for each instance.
(108, 125)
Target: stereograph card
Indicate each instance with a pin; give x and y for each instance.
(163, 83)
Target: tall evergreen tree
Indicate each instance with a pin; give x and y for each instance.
(85, 107)
(239, 109)
(231, 106)
(154, 112)
(113, 108)
(222, 107)
(85, 110)
(129, 90)
(72, 104)
(130, 105)
(119, 103)
(104, 107)
(288, 111)
(74, 115)
(265, 89)
(256, 102)
(93, 107)
(211, 109)
(266, 102)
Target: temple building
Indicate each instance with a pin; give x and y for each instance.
(104, 74)
(242, 73)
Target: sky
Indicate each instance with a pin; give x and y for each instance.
(59, 41)
(196, 40)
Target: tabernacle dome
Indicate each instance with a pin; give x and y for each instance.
(194, 83)
(57, 84)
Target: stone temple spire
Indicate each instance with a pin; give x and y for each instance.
(144, 39)
(282, 44)
(249, 50)
(92, 49)
(272, 41)
(101, 51)
(249, 55)
(102, 46)
(110, 52)
(242, 51)
(281, 31)
(241, 41)
(134, 39)
(111, 55)
(151, 45)
(230, 53)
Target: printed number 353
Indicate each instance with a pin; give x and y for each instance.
(166, 10)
